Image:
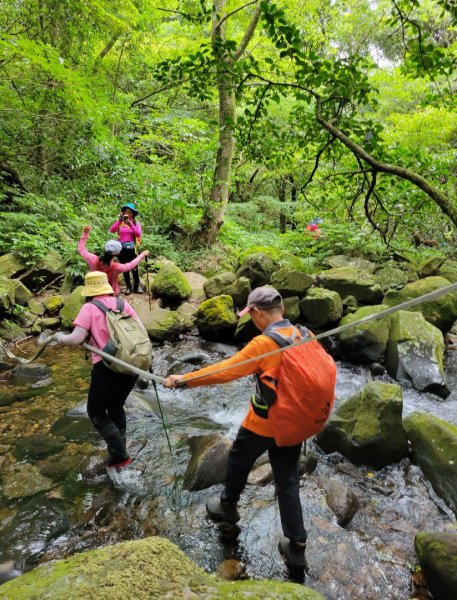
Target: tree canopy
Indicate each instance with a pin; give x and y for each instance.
(222, 117)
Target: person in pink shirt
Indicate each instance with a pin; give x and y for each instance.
(107, 262)
(108, 390)
(129, 234)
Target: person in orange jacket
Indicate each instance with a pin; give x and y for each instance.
(255, 436)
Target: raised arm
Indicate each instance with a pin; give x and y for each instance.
(122, 268)
(91, 259)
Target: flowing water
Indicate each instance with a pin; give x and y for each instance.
(63, 512)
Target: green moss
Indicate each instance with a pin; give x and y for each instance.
(137, 570)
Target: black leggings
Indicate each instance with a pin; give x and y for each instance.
(108, 392)
(246, 449)
(126, 255)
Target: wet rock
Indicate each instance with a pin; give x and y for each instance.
(261, 475)
(34, 447)
(161, 324)
(8, 571)
(75, 429)
(434, 446)
(208, 462)
(231, 570)
(415, 352)
(37, 522)
(308, 464)
(62, 467)
(368, 428)
(340, 498)
(377, 369)
(28, 374)
(437, 553)
(23, 480)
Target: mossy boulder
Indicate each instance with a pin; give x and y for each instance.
(140, 570)
(41, 324)
(21, 293)
(320, 307)
(239, 291)
(367, 428)
(390, 277)
(53, 304)
(214, 286)
(280, 258)
(258, 268)
(434, 446)
(415, 351)
(10, 331)
(72, 307)
(341, 260)
(290, 282)
(292, 309)
(7, 296)
(441, 312)
(365, 343)
(448, 270)
(216, 318)
(12, 265)
(351, 281)
(36, 308)
(171, 285)
(437, 554)
(49, 270)
(162, 324)
(431, 266)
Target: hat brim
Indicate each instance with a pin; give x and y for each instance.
(244, 311)
(134, 211)
(97, 290)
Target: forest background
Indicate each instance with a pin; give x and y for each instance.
(230, 125)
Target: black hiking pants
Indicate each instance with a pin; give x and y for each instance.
(108, 392)
(246, 448)
(126, 255)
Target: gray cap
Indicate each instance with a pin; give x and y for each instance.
(113, 247)
(263, 298)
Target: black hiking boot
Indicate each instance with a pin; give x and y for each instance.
(222, 511)
(293, 553)
(127, 292)
(138, 289)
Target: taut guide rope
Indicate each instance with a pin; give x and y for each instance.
(149, 376)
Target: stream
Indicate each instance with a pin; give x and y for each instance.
(49, 509)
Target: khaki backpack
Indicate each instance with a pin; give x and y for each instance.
(129, 339)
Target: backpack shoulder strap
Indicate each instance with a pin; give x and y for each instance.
(120, 303)
(278, 338)
(283, 340)
(100, 305)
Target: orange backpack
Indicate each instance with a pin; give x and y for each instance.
(304, 384)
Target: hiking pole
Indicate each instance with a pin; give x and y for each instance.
(147, 282)
(162, 417)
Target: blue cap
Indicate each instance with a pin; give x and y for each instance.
(132, 208)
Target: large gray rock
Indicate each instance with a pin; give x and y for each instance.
(7, 295)
(258, 268)
(437, 554)
(12, 265)
(239, 291)
(351, 281)
(414, 352)
(50, 269)
(434, 445)
(389, 277)
(290, 282)
(321, 307)
(215, 286)
(208, 463)
(162, 324)
(341, 260)
(367, 428)
(365, 343)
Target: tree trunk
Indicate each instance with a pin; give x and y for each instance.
(213, 216)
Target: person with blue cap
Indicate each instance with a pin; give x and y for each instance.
(107, 262)
(129, 234)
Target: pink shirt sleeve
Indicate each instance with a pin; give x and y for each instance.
(91, 259)
(122, 268)
(115, 226)
(136, 229)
